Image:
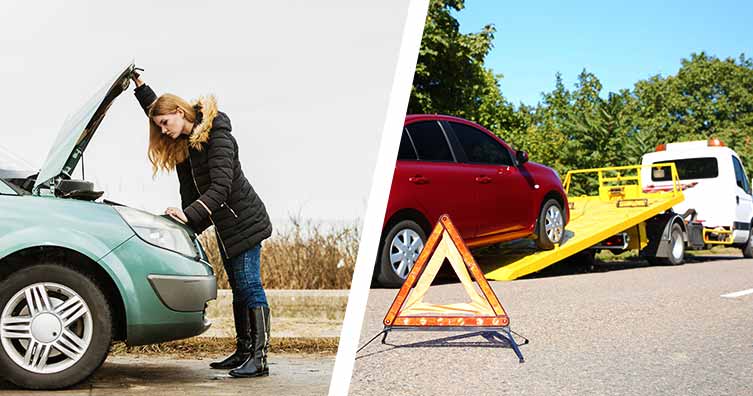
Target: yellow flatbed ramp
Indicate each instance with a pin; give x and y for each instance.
(619, 206)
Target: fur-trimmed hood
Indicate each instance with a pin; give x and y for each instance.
(206, 113)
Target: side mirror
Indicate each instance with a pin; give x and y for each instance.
(521, 156)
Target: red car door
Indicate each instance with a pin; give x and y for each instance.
(505, 200)
(435, 181)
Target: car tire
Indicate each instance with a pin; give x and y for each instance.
(550, 225)
(748, 247)
(69, 327)
(395, 262)
(676, 249)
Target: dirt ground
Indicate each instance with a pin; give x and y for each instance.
(300, 374)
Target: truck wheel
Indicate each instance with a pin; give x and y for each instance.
(55, 328)
(581, 262)
(677, 246)
(748, 248)
(551, 225)
(676, 249)
(586, 260)
(400, 249)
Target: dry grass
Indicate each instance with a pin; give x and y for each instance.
(633, 255)
(306, 256)
(201, 347)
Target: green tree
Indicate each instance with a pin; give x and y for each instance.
(708, 97)
(580, 129)
(583, 128)
(450, 75)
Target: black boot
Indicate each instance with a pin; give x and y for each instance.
(244, 343)
(256, 365)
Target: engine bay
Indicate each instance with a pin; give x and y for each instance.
(65, 188)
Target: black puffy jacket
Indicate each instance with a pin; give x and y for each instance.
(213, 189)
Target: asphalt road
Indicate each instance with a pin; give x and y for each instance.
(627, 330)
(160, 375)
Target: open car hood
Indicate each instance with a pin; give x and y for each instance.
(77, 131)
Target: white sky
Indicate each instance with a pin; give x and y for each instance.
(305, 83)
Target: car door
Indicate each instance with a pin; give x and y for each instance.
(504, 198)
(743, 200)
(434, 180)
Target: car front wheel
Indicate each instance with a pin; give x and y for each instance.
(400, 249)
(551, 225)
(55, 328)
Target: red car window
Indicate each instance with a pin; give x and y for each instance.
(479, 147)
(406, 151)
(430, 142)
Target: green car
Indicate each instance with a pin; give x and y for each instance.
(77, 273)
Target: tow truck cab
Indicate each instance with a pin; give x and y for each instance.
(715, 186)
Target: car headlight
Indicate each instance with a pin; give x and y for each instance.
(159, 231)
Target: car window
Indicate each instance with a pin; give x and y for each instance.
(429, 141)
(5, 189)
(11, 162)
(740, 178)
(687, 169)
(479, 147)
(406, 151)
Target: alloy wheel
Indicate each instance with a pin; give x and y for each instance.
(46, 328)
(404, 250)
(554, 224)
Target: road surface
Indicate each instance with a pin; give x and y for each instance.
(160, 375)
(685, 330)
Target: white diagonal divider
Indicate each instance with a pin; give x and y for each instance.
(377, 204)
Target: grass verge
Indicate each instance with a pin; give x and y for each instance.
(201, 347)
(302, 256)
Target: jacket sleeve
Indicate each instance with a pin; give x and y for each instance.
(220, 155)
(145, 96)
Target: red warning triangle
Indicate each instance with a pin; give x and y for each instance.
(409, 310)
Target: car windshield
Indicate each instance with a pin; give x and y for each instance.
(688, 169)
(11, 162)
(13, 170)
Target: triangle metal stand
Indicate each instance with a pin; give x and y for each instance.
(489, 315)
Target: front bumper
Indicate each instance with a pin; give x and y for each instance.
(164, 293)
(184, 293)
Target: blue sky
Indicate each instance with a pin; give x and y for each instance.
(620, 42)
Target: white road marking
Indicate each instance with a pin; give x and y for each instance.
(737, 294)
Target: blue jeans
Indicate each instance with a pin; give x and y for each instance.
(244, 276)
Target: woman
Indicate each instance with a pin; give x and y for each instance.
(195, 140)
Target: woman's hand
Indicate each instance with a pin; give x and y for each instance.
(136, 77)
(176, 214)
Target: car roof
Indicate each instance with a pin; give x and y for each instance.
(439, 117)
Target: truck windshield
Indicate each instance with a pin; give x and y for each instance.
(688, 169)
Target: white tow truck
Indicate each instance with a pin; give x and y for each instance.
(715, 187)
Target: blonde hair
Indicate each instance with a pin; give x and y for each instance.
(165, 152)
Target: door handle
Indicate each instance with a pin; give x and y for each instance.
(418, 179)
(504, 171)
(737, 199)
(483, 179)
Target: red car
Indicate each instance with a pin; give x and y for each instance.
(491, 192)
